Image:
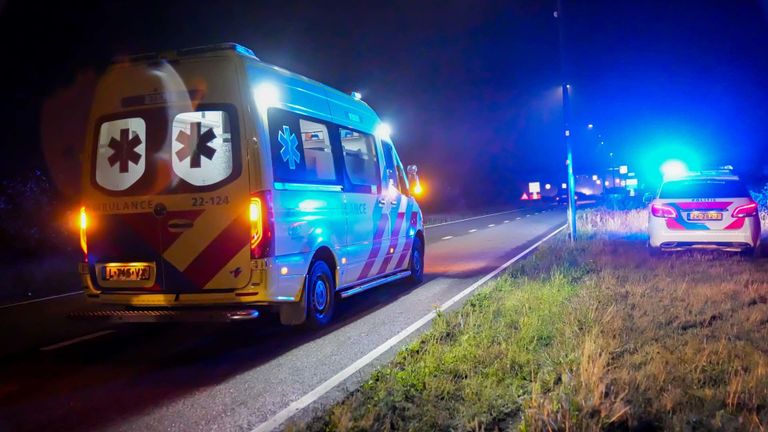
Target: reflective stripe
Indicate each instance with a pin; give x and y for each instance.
(394, 236)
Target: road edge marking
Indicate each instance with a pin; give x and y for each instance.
(475, 217)
(281, 417)
(76, 340)
(41, 299)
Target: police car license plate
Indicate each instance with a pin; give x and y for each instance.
(132, 272)
(705, 216)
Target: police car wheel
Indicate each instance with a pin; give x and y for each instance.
(417, 261)
(321, 295)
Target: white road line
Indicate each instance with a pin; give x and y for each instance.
(491, 225)
(41, 299)
(506, 221)
(76, 340)
(473, 230)
(517, 218)
(447, 238)
(279, 418)
(473, 218)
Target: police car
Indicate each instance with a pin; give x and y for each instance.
(710, 210)
(217, 185)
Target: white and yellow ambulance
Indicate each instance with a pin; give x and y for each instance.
(217, 183)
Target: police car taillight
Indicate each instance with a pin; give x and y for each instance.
(83, 226)
(745, 210)
(663, 211)
(260, 216)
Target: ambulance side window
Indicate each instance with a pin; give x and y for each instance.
(401, 178)
(390, 176)
(360, 159)
(301, 149)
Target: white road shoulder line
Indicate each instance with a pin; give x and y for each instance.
(279, 418)
(473, 218)
(76, 340)
(41, 299)
(473, 230)
(447, 238)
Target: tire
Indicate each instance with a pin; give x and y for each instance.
(416, 263)
(321, 296)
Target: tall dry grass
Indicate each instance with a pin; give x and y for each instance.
(592, 336)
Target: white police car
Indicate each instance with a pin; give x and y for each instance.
(704, 211)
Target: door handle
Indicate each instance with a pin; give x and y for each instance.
(177, 225)
(382, 201)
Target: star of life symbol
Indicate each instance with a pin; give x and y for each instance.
(289, 151)
(195, 146)
(124, 150)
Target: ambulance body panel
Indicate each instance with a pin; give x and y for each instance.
(213, 178)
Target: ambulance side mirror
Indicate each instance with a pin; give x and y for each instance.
(413, 180)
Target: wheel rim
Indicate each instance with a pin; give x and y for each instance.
(321, 295)
(416, 261)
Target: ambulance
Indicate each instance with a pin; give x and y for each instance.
(218, 186)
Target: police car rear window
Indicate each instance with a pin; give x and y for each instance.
(703, 189)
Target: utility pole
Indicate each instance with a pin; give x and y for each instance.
(569, 162)
(566, 129)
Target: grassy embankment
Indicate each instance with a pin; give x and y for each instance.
(586, 337)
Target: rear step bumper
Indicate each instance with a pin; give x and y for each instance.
(160, 315)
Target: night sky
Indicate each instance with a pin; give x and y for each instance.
(470, 88)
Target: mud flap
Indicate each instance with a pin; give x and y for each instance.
(293, 314)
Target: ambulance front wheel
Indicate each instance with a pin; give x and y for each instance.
(417, 261)
(321, 295)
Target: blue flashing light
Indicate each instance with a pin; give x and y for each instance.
(243, 50)
(411, 232)
(674, 169)
(311, 205)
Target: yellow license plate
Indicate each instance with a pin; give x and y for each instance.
(133, 272)
(705, 216)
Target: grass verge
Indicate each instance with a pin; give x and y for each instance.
(596, 336)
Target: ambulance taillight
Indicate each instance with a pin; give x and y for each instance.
(260, 217)
(83, 226)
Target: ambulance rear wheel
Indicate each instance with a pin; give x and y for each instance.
(321, 295)
(417, 261)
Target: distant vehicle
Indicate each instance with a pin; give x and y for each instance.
(217, 184)
(710, 211)
(562, 198)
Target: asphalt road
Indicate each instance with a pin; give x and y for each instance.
(56, 374)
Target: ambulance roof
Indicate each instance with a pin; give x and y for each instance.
(302, 94)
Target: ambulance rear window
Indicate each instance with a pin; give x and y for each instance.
(161, 150)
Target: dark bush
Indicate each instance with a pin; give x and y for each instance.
(30, 225)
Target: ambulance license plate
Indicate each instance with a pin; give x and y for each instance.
(705, 216)
(133, 272)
